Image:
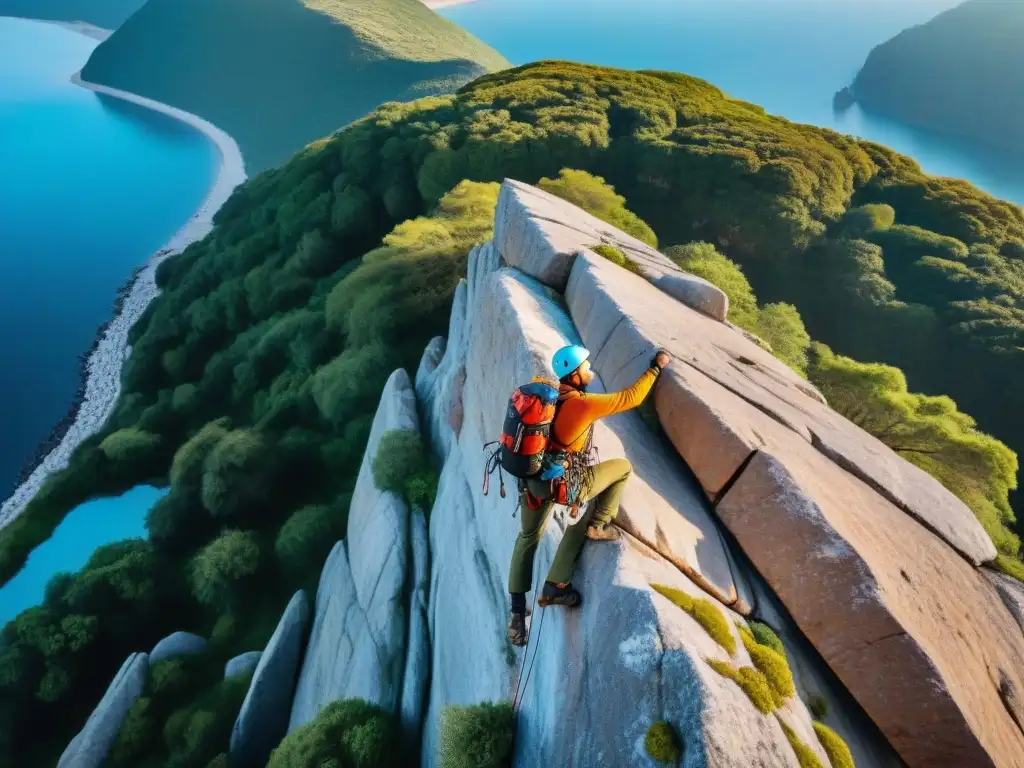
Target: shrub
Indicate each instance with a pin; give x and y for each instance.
(781, 326)
(477, 736)
(616, 256)
(130, 444)
(772, 664)
(221, 568)
(804, 755)
(765, 635)
(838, 753)
(752, 681)
(705, 261)
(1011, 566)
(305, 540)
(197, 733)
(662, 743)
(704, 613)
(857, 222)
(135, 736)
(818, 706)
(402, 465)
(346, 733)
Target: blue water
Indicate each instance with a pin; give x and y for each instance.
(90, 187)
(789, 56)
(86, 527)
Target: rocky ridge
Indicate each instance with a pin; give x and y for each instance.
(752, 496)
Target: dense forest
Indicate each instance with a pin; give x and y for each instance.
(961, 73)
(255, 375)
(277, 74)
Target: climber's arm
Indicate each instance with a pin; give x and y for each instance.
(598, 406)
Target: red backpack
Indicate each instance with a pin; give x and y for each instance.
(525, 433)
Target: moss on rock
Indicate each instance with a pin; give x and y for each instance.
(662, 743)
(804, 754)
(772, 665)
(838, 753)
(704, 613)
(752, 681)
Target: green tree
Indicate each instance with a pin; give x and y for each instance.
(927, 431)
(705, 261)
(307, 537)
(780, 325)
(237, 478)
(595, 196)
(130, 444)
(224, 567)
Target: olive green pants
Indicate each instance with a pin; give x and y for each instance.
(609, 480)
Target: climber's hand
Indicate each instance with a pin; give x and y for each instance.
(661, 360)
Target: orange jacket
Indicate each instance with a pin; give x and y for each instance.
(579, 410)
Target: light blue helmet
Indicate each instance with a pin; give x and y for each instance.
(568, 359)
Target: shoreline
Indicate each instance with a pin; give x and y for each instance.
(101, 365)
(435, 4)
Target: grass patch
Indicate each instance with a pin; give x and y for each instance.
(704, 613)
(804, 755)
(662, 743)
(752, 681)
(838, 753)
(772, 665)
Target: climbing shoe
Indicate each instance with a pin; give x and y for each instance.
(607, 532)
(517, 628)
(559, 594)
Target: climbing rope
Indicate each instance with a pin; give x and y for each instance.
(522, 684)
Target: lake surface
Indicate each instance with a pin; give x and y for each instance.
(789, 56)
(90, 187)
(86, 527)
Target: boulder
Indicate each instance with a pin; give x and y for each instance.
(89, 749)
(541, 235)
(357, 646)
(242, 664)
(629, 657)
(177, 644)
(623, 320)
(831, 517)
(263, 718)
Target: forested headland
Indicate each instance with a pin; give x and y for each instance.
(254, 376)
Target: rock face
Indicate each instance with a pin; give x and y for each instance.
(541, 234)
(357, 648)
(867, 557)
(263, 718)
(177, 644)
(417, 655)
(629, 657)
(242, 664)
(90, 747)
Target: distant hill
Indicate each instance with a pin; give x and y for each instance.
(277, 74)
(961, 73)
(109, 14)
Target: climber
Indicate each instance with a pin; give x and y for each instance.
(569, 479)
